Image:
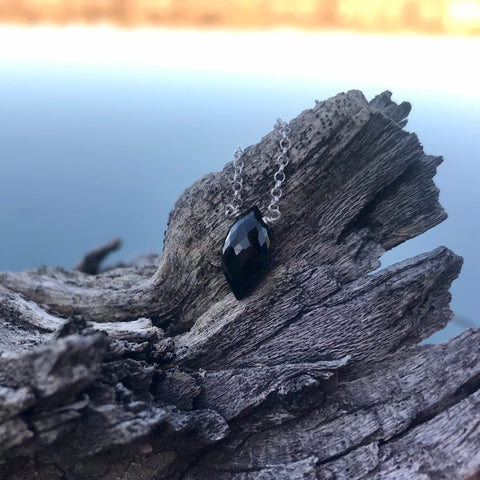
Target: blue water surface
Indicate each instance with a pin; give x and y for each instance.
(88, 154)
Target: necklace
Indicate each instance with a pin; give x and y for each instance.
(246, 250)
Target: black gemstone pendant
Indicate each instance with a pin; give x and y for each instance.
(246, 253)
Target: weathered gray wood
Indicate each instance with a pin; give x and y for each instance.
(91, 262)
(153, 370)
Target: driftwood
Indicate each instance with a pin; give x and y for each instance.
(158, 372)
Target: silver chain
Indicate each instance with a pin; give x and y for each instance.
(232, 210)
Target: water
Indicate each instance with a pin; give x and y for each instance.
(93, 149)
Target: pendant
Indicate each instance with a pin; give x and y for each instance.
(246, 253)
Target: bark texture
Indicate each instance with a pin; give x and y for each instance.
(153, 370)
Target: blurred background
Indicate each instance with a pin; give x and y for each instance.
(111, 108)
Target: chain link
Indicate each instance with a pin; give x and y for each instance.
(233, 209)
(274, 213)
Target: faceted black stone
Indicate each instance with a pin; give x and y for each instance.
(246, 253)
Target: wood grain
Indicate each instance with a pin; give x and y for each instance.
(153, 370)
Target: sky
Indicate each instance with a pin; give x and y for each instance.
(439, 65)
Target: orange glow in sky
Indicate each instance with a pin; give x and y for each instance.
(392, 16)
